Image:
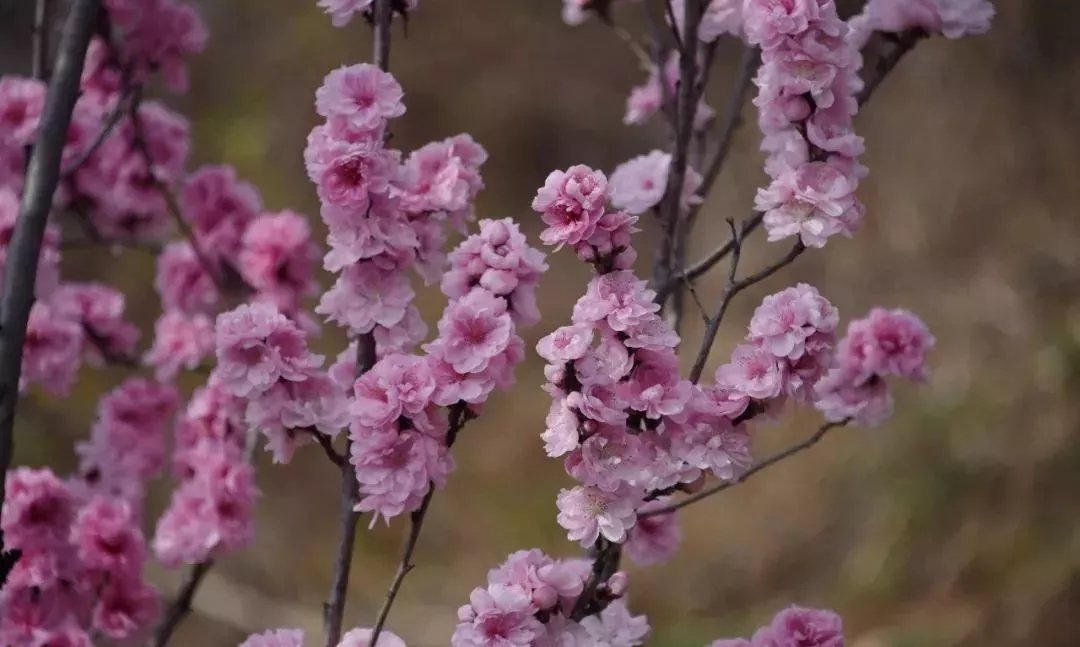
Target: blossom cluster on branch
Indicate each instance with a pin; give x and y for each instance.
(237, 283)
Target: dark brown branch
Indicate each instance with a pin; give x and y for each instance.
(745, 476)
(39, 64)
(383, 12)
(748, 65)
(605, 564)
(181, 605)
(685, 109)
(334, 607)
(107, 126)
(42, 176)
(901, 44)
(733, 288)
(669, 10)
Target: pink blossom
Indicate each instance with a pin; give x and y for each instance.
(570, 203)
(655, 539)
(472, 331)
(768, 21)
(402, 337)
(395, 471)
(100, 310)
(182, 282)
(787, 322)
(257, 346)
(278, 258)
(731, 642)
(549, 582)
(125, 606)
(219, 207)
(618, 298)
(639, 184)
(347, 166)
(886, 342)
(51, 350)
(654, 387)
(614, 627)
(106, 537)
(815, 201)
(588, 513)
(276, 638)
(566, 344)
(754, 372)
(951, 18)
(397, 385)
(21, 103)
(841, 395)
(313, 404)
(802, 627)
(180, 342)
(443, 176)
(158, 35)
(716, 445)
(210, 513)
(562, 434)
(362, 94)
(498, 616)
(365, 295)
(37, 509)
(362, 638)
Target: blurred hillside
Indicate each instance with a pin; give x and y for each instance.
(957, 523)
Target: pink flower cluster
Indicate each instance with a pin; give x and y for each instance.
(950, 18)
(795, 627)
(625, 420)
(806, 102)
(80, 572)
(211, 511)
(342, 11)
(157, 36)
(788, 348)
(885, 343)
(360, 637)
(639, 184)
(573, 204)
(384, 215)
(528, 601)
(264, 359)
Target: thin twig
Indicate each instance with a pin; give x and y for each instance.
(745, 476)
(107, 126)
(181, 605)
(42, 176)
(458, 417)
(334, 607)
(675, 25)
(732, 289)
(328, 447)
(40, 63)
(605, 563)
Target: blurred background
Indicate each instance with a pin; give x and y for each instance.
(956, 523)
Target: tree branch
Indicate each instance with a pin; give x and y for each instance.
(902, 43)
(733, 288)
(334, 607)
(181, 605)
(39, 64)
(745, 476)
(42, 176)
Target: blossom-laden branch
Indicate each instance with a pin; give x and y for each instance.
(745, 476)
(42, 177)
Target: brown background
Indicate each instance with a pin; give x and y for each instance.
(954, 524)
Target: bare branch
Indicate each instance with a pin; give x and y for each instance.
(181, 605)
(733, 288)
(334, 607)
(745, 476)
(42, 176)
(107, 126)
(40, 61)
(902, 43)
